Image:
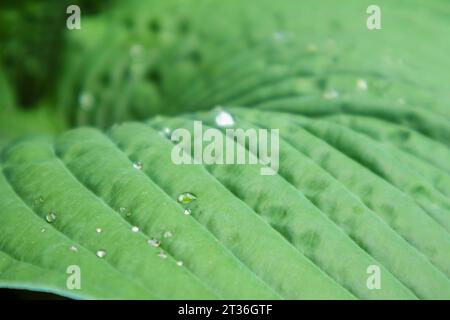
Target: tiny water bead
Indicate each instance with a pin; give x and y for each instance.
(43, 230)
(180, 263)
(124, 211)
(154, 243)
(86, 100)
(73, 249)
(38, 201)
(187, 212)
(330, 94)
(165, 132)
(98, 230)
(50, 217)
(100, 253)
(162, 255)
(362, 85)
(135, 229)
(186, 197)
(167, 234)
(223, 118)
(138, 165)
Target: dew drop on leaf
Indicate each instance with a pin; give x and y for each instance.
(125, 211)
(100, 253)
(167, 234)
(43, 230)
(162, 255)
(223, 118)
(361, 84)
(50, 217)
(154, 243)
(98, 230)
(138, 165)
(135, 229)
(187, 211)
(180, 263)
(38, 201)
(186, 197)
(165, 132)
(73, 249)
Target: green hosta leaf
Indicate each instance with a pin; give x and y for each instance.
(363, 178)
(139, 226)
(144, 58)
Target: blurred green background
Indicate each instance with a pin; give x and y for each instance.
(136, 59)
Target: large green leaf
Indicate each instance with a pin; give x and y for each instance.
(364, 175)
(247, 235)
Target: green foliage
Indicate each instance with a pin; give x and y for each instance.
(364, 174)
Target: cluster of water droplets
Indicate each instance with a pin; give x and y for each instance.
(362, 85)
(183, 198)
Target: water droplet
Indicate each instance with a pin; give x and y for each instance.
(162, 255)
(98, 230)
(180, 263)
(134, 229)
(43, 230)
(166, 132)
(154, 243)
(100, 253)
(50, 217)
(73, 249)
(331, 94)
(187, 211)
(167, 234)
(223, 118)
(186, 197)
(138, 165)
(361, 84)
(86, 101)
(38, 201)
(125, 211)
